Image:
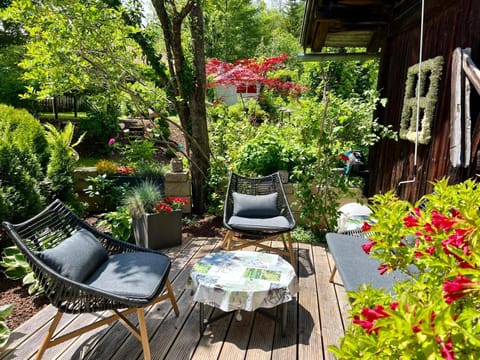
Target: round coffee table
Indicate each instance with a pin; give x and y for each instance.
(242, 280)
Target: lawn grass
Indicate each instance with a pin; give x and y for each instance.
(87, 161)
(63, 116)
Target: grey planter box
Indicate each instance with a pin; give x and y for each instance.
(159, 230)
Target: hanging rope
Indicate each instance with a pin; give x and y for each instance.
(417, 120)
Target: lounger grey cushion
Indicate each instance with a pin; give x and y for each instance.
(355, 266)
(134, 275)
(255, 206)
(77, 257)
(277, 223)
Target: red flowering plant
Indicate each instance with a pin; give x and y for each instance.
(435, 313)
(170, 204)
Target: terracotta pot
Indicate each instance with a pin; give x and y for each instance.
(159, 230)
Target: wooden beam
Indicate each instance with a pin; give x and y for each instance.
(319, 35)
(341, 57)
(471, 70)
(376, 42)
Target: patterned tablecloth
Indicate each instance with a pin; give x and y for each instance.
(234, 280)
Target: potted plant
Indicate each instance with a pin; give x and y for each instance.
(156, 221)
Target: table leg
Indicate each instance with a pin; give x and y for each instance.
(203, 321)
(284, 318)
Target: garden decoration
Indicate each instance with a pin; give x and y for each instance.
(431, 76)
(435, 312)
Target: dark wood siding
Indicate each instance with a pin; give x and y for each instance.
(390, 162)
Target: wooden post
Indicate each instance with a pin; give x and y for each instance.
(456, 109)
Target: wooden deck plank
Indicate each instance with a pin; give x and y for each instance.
(211, 342)
(261, 340)
(182, 345)
(29, 349)
(285, 347)
(315, 319)
(342, 298)
(330, 318)
(309, 331)
(238, 336)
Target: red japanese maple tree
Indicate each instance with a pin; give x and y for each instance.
(251, 71)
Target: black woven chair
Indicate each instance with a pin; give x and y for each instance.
(256, 211)
(83, 270)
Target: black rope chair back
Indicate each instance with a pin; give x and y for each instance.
(53, 241)
(256, 210)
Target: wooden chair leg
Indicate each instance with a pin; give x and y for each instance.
(229, 239)
(49, 335)
(290, 250)
(171, 296)
(332, 274)
(143, 333)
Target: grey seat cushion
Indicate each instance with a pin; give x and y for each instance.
(276, 223)
(356, 267)
(77, 257)
(135, 275)
(255, 206)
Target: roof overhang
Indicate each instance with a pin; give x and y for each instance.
(346, 23)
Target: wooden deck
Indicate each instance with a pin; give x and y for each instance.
(316, 319)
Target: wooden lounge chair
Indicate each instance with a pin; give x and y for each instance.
(83, 270)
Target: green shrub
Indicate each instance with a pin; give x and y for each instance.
(433, 314)
(62, 164)
(119, 223)
(101, 123)
(23, 155)
(106, 167)
(20, 193)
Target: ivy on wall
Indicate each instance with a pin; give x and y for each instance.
(430, 80)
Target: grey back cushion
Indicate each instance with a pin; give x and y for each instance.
(255, 206)
(77, 257)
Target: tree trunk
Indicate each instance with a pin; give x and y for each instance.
(200, 146)
(188, 89)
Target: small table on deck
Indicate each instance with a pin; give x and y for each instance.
(242, 280)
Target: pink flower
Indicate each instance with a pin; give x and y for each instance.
(366, 325)
(111, 141)
(368, 247)
(456, 289)
(442, 222)
(457, 239)
(383, 268)
(429, 228)
(370, 316)
(410, 221)
(446, 348)
(416, 329)
(394, 306)
(455, 213)
(366, 226)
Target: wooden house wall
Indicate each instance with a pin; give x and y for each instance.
(390, 162)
